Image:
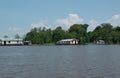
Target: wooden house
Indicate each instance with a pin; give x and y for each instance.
(11, 42)
(100, 42)
(68, 42)
(14, 42)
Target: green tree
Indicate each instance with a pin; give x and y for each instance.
(5, 36)
(81, 32)
(105, 31)
(32, 35)
(102, 32)
(17, 36)
(58, 34)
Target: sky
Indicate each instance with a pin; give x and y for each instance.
(19, 16)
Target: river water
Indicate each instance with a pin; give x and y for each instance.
(81, 61)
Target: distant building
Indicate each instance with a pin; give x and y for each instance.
(27, 43)
(100, 42)
(11, 42)
(68, 42)
(17, 42)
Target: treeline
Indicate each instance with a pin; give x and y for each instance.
(106, 32)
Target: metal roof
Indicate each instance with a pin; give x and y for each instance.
(69, 40)
(6, 39)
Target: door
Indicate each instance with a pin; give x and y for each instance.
(4, 42)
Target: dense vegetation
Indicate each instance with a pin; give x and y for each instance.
(106, 32)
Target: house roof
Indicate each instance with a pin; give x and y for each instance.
(6, 39)
(69, 40)
(101, 40)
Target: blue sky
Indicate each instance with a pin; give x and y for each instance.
(19, 16)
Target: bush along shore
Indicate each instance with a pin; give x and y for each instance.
(43, 36)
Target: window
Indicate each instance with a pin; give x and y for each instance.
(8, 41)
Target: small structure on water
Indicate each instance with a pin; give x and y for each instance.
(13, 42)
(100, 42)
(27, 43)
(68, 42)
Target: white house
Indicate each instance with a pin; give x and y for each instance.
(100, 42)
(68, 42)
(27, 43)
(7, 41)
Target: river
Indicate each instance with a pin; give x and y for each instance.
(80, 61)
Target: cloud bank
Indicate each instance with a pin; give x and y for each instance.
(65, 23)
(71, 19)
(40, 24)
(92, 25)
(114, 20)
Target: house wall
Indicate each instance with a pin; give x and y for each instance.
(73, 42)
(100, 42)
(12, 42)
(76, 42)
(67, 42)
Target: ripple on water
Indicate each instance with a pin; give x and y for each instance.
(88, 61)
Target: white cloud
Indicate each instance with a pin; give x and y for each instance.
(116, 17)
(70, 20)
(37, 25)
(92, 25)
(15, 30)
(75, 19)
(40, 24)
(114, 20)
